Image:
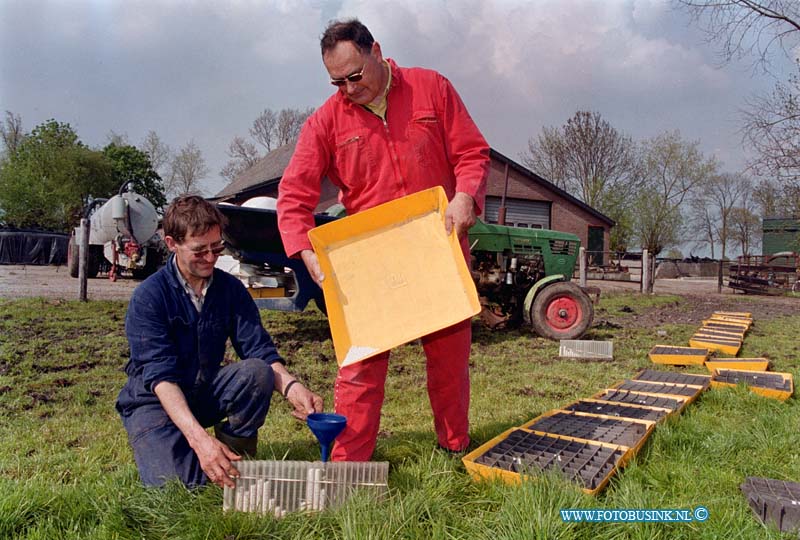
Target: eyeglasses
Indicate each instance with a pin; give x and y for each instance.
(215, 250)
(353, 77)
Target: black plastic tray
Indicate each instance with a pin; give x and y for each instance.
(522, 452)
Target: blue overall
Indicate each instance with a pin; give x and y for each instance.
(171, 341)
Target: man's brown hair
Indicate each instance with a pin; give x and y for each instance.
(347, 30)
(191, 214)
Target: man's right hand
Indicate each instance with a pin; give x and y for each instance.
(312, 264)
(216, 460)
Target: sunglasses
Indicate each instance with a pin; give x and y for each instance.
(353, 77)
(215, 250)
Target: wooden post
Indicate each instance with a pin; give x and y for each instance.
(582, 266)
(645, 271)
(652, 275)
(83, 259)
(719, 277)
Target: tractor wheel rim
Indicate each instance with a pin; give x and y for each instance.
(563, 312)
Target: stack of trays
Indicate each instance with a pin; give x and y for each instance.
(723, 332)
(775, 502)
(589, 439)
(771, 384)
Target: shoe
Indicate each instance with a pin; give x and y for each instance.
(244, 446)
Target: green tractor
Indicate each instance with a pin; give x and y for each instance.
(523, 277)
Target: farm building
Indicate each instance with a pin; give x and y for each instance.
(780, 234)
(529, 200)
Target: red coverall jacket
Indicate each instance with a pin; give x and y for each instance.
(428, 139)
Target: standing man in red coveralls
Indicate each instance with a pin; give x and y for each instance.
(388, 132)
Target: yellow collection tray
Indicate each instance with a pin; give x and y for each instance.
(742, 364)
(678, 356)
(645, 425)
(644, 398)
(479, 471)
(735, 314)
(392, 275)
(734, 325)
(726, 318)
(781, 394)
(730, 347)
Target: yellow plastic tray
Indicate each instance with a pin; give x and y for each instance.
(724, 346)
(392, 275)
(480, 472)
(646, 425)
(742, 364)
(735, 314)
(773, 393)
(678, 356)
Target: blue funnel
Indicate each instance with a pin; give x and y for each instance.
(326, 427)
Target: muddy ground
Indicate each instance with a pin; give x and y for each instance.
(701, 297)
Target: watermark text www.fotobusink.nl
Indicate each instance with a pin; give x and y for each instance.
(635, 515)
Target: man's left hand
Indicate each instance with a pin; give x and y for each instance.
(460, 214)
(304, 401)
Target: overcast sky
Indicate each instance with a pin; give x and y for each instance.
(205, 70)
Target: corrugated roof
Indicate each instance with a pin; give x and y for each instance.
(270, 167)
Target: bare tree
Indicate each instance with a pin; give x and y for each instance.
(187, 168)
(761, 28)
(290, 121)
(745, 225)
(671, 168)
(117, 139)
(263, 130)
(244, 155)
(722, 193)
(745, 229)
(270, 130)
(587, 156)
(748, 27)
(159, 152)
(772, 129)
(11, 132)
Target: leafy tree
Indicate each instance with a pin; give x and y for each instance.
(132, 164)
(671, 168)
(49, 179)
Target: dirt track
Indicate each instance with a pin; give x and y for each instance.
(701, 295)
(54, 282)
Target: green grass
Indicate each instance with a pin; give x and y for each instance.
(66, 470)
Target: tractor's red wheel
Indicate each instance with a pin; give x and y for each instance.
(562, 311)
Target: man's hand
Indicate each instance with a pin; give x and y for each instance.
(216, 460)
(312, 264)
(304, 401)
(460, 214)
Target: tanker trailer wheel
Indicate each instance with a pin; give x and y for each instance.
(562, 311)
(72, 256)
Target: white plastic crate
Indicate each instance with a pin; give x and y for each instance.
(577, 348)
(279, 487)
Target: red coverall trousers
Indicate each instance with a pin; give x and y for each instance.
(359, 392)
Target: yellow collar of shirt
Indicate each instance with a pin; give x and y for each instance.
(379, 108)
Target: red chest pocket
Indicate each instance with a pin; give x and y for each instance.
(425, 137)
(354, 162)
